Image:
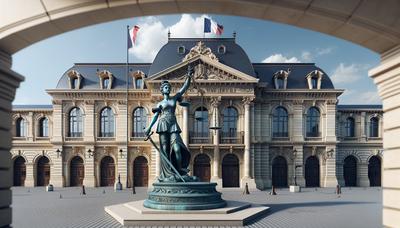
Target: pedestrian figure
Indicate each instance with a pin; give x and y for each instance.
(273, 192)
(104, 191)
(83, 190)
(60, 196)
(338, 190)
(246, 190)
(133, 190)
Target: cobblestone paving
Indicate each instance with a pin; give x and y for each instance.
(357, 207)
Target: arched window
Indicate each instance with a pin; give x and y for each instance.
(20, 125)
(107, 123)
(139, 122)
(201, 122)
(374, 127)
(229, 127)
(313, 119)
(75, 123)
(138, 83)
(44, 127)
(106, 82)
(350, 127)
(280, 123)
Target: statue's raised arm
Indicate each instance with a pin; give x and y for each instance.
(186, 85)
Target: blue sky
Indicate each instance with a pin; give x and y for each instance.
(44, 62)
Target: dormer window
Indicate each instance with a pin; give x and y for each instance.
(138, 77)
(106, 79)
(181, 50)
(221, 49)
(314, 79)
(280, 79)
(106, 82)
(75, 79)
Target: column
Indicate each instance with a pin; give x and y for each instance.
(57, 169)
(30, 175)
(297, 124)
(9, 82)
(330, 179)
(185, 126)
(215, 102)
(330, 131)
(30, 127)
(247, 101)
(89, 180)
(362, 174)
(363, 129)
(386, 76)
(122, 158)
(89, 134)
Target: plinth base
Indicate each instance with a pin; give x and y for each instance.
(184, 196)
(233, 214)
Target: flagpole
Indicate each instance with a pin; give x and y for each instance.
(127, 98)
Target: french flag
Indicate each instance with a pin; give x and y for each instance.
(132, 33)
(212, 26)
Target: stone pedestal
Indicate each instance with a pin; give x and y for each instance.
(184, 196)
(294, 188)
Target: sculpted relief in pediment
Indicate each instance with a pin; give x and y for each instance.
(200, 49)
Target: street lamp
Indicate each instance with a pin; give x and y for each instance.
(90, 152)
(58, 151)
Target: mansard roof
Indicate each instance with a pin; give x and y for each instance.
(90, 78)
(357, 107)
(234, 55)
(32, 107)
(297, 77)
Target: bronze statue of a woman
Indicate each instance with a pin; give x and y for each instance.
(171, 144)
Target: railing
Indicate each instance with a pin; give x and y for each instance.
(138, 136)
(22, 138)
(280, 134)
(105, 138)
(42, 138)
(69, 139)
(313, 136)
(200, 137)
(232, 138)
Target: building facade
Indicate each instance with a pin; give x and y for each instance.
(256, 123)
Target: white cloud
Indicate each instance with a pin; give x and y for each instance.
(279, 58)
(306, 56)
(346, 74)
(324, 51)
(153, 34)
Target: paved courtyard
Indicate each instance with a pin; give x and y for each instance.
(357, 207)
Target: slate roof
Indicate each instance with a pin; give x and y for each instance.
(168, 56)
(32, 107)
(91, 79)
(358, 107)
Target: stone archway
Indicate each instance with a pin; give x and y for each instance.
(43, 171)
(140, 172)
(107, 171)
(77, 171)
(230, 171)
(202, 167)
(374, 171)
(312, 172)
(372, 24)
(19, 171)
(279, 172)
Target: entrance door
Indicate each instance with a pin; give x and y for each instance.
(374, 171)
(43, 171)
(230, 171)
(279, 172)
(77, 171)
(19, 171)
(201, 167)
(107, 171)
(140, 172)
(350, 171)
(312, 172)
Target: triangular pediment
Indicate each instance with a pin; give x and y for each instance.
(206, 70)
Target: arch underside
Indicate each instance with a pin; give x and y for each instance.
(368, 23)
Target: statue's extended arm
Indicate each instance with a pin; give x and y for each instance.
(186, 85)
(153, 121)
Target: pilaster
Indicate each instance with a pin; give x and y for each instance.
(298, 135)
(89, 180)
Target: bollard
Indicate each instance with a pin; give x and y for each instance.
(60, 196)
(273, 192)
(104, 191)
